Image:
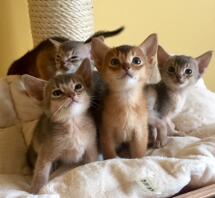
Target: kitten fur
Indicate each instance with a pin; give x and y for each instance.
(65, 135)
(55, 54)
(179, 73)
(124, 70)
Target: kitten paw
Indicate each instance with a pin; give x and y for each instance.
(179, 133)
(160, 143)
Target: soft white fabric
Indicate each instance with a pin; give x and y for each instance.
(184, 161)
(198, 110)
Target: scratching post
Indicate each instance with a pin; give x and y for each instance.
(72, 19)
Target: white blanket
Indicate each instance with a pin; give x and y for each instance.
(184, 162)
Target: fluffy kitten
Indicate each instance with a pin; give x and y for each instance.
(65, 134)
(56, 54)
(166, 99)
(125, 70)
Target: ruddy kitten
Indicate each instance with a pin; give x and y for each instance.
(56, 54)
(166, 99)
(65, 134)
(125, 70)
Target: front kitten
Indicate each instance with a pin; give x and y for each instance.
(125, 70)
(166, 99)
(65, 134)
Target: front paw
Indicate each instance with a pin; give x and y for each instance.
(34, 190)
(179, 133)
(159, 143)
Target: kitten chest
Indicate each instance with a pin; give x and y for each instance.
(124, 117)
(75, 143)
(177, 105)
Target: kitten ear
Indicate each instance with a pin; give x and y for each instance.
(102, 38)
(55, 43)
(98, 51)
(85, 72)
(149, 47)
(34, 86)
(203, 61)
(163, 56)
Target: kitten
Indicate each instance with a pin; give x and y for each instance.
(125, 70)
(166, 99)
(56, 54)
(65, 133)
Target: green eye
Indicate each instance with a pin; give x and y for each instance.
(57, 93)
(114, 61)
(136, 60)
(171, 69)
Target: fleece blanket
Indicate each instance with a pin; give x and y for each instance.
(184, 162)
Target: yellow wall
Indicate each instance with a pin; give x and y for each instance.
(15, 34)
(183, 26)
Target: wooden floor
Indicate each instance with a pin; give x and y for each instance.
(208, 191)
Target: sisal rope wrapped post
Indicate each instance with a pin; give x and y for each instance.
(72, 19)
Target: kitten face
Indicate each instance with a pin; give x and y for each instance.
(64, 96)
(69, 55)
(179, 72)
(124, 67)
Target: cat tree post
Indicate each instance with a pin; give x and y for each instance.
(68, 18)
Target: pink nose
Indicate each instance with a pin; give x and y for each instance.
(71, 95)
(126, 66)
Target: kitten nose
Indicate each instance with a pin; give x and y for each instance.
(126, 66)
(71, 95)
(179, 77)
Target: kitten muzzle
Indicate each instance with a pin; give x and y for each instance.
(179, 79)
(127, 74)
(126, 67)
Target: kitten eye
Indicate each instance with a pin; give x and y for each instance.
(171, 69)
(78, 87)
(57, 56)
(57, 93)
(188, 71)
(74, 57)
(136, 60)
(114, 61)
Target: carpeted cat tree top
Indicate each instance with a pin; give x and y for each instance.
(68, 18)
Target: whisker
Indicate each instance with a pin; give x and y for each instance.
(61, 106)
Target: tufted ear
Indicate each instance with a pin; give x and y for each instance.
(34, 86)
(203, 61)
(88, 46)
(149, 47)
(98, 51)
(85, 72)
(163, 56)
(55, 43)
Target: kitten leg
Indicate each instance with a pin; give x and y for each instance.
(138, 145)
(161, 133)
(90, 156)
(108, 147)
(158, 130)
(41, 174)
(31, 156)
(65, 167)
(91, 153)
(171, 129)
